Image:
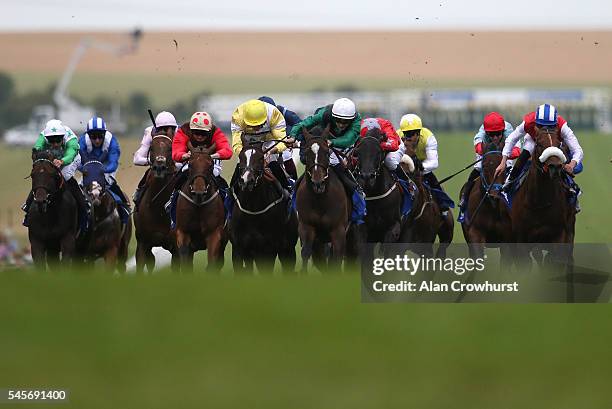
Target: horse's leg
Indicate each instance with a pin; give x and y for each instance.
(183, 242)
(67, 246)
(238, 261)
(445, 234)
(123, 248)
(287, 258)
(213, 246)
(175, 262)
(38, 255)
(53, 258)
(110, 258)
(142, 252)
(338, 242)
(307, 236)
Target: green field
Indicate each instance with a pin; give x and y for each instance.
(282, 342)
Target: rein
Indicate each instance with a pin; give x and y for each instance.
(258, 212)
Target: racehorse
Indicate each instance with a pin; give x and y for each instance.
(200, 215)
(151, 220)
(541, 212)
(108, 236)
(322, 204)
(424, 223)
(487, 219)
(53, 221)
(383, 193)
(261, 227)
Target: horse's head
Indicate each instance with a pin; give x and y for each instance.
(317, 152)
(94, 180)
(160, 153)
(370, 157)
(200, 171)
(492, 156)
(251, 166)
(547, 154)
(47, 179)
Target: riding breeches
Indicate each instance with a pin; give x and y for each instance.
(69, 170)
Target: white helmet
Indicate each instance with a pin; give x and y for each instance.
(54, 127)
(165, 118)
(344, 108)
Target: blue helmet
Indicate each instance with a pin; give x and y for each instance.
(267, 99)
(96, 124)
(546, 115)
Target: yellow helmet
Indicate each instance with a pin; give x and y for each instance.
(255, 112)
(410, 122)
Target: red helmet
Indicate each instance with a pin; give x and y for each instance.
(494, 122)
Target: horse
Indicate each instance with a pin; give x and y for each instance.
(383, 193)
(487, 221)
(53, 216)
(322, 204)
(151, 221)
(261, 227)
(200, 215)
(108, 237)
(540, 211)
(423, 224)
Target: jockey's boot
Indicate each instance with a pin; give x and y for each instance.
(26, 208)
(170, 205)
(142, 186)
(125, 209)
(280, 175)
(433, 183)
(82, 202)
(355, 192)
(516, 170)
(468, 188)
(290, 169)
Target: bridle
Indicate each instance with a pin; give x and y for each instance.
(357, 169)
(316, 163)
(58, 175)
(160, 158)
(549, 131)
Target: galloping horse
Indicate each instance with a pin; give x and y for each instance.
(108, 237)
(424, 223)
(260, 227)
(52, 217)
(200, 216)
(540, 211)
(487, 217)
(322, 204)
(151, 220)
(383, 194)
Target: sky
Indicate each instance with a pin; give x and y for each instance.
(311, 15)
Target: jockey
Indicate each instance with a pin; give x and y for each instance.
(99, 144)
(344, 124)
(200, 131)
(259, 121)
(165, 123)
(426, 148)
(59, 137)
(291, 119)
(391, 141)
(545, 116)
(493, 128)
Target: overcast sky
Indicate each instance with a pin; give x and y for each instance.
(172, 15)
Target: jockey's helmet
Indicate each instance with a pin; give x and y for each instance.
(546, 115)
(165, 118)
(96, 124)
(54, 129)
(255, 113)
(344, 108)
(201, 121)
(494, 122)
(410, 122)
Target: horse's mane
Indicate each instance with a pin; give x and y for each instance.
(43, 154)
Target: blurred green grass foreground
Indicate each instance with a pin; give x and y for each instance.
(199, 341)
